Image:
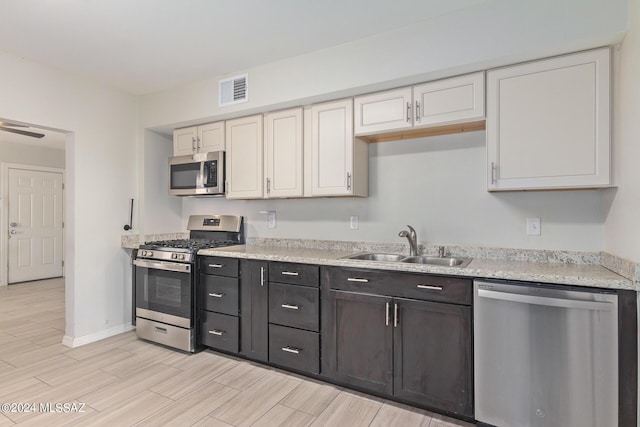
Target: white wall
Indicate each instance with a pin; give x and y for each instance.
(622, 228)
(101, 170)
(478, 37)
(15, 152)
(438, 186)
(458, 212)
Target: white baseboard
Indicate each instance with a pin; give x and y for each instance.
(97, 336)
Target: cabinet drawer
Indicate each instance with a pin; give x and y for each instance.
(295, 274)
(297, 306)
(219, 294)
(220, 331)
(294, 348)
(220, 266)
(417, 286)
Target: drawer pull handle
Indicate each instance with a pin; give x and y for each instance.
(289, 273)
(261, 276)
(216, 265)
(433, 288)
(290, 307)
(216, 295)
(291, 350)
(159, 329)
(356, 279)
(216, 332)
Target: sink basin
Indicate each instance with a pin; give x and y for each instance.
(434, 260)
(377, 257)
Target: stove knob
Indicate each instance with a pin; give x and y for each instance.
(149, 253)
(144, 253)
(174, 256)
(182, 256)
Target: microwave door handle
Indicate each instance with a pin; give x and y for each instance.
(205, 173)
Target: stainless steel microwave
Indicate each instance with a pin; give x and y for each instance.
(197, 175)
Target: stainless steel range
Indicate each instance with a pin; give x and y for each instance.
(165, 275)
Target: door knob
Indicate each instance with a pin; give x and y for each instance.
(13, 232)
(13, 224)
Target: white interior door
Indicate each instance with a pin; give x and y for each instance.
(35, 225)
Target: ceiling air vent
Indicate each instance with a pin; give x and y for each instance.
(234, 90)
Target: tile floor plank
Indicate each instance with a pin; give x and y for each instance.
(283, 416)
(252, 403)
(311, 397)
(193, 407)
(348, 409)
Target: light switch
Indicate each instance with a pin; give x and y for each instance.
(353, 222)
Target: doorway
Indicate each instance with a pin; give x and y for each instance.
(35, 226)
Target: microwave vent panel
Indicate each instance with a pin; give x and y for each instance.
(233, 90)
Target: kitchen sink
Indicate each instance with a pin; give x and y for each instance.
(434, 260)
(377, 257)
(421, 259)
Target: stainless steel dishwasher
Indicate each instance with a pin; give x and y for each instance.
(545, 355)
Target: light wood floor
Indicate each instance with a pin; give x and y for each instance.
(123, 381)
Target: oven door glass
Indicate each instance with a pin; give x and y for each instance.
(185, 176)
(164, 291)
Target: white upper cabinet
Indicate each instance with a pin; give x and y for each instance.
(283, 154)
(383, 111)
(211, 137)
(184, 141)
(244, 159)
(198, 139)
(339, 162)
(454, 100)
(548, 123)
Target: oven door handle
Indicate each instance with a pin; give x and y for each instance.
(162, 265)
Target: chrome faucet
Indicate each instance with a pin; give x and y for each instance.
(412, 238)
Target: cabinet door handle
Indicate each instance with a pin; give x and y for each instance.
(493, 172)
(268, 186)
(289, 273)
(193, 143)
(395, 315)
(356, 279)
(261, 276)
(408, 112)
(290, 307)
(198, 146)
(386, 314)
(216, 265)
(348, 180)
(216, 295)
(291, 350)
(216, 332)
(433, 288)
(417, 111)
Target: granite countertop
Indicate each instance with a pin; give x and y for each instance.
(585, 274)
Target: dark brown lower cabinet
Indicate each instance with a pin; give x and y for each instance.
(432, 355)
(254, 309)
(359, 341)
(418, 351)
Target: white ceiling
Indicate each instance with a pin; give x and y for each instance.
(142, 46)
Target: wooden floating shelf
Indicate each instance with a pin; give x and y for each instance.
(421, 133)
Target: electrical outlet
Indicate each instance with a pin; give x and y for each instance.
(533, 226)
(271, 219)
(353, 222)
